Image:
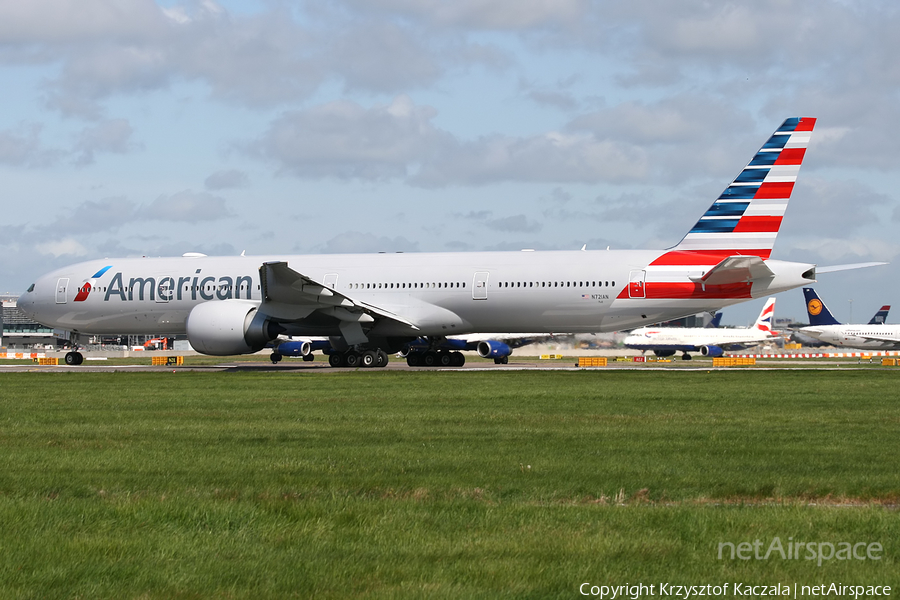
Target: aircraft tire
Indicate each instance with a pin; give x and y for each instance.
(429, 359)
(459, 359)
(685, 357)
(309, 357)
(275, 358)
(368, 359)
(351, 359)
(445, 359)
(382, 358)
(336, 360)
(74, 358)
(413, 359)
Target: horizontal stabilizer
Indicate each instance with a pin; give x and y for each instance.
(835, 268)
(736, 269)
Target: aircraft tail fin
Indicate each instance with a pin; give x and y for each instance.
(881, 316)
(714, 324)
(764, 321)
(818, 312)
(746, 217)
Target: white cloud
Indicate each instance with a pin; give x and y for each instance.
(64, 247)
(113, 136)
(342, 139)
(187, 206)
(355, 241)
(22, 147)
(227, 179)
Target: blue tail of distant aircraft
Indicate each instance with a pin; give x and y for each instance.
(714, 324)
(818, 312)
(881, 316)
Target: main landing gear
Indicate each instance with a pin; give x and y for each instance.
(276, 358)
(353, 359)
(431, 358)
(74, 358)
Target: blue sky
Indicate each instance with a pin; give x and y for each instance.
(132, 127)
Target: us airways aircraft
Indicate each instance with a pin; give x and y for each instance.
(824, 327)
(368, 305)
(666, 341)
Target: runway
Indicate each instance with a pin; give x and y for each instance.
(398, 364)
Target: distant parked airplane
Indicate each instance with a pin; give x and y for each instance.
(876, 335)
(666, 341)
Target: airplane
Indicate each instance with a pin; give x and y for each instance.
(372, 304)
(666, 341)
(879, 317)
(876, 335)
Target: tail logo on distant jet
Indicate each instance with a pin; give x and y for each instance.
(814, 306)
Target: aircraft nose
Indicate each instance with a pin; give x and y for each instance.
(27, 302)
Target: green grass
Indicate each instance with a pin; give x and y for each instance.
(436, 484)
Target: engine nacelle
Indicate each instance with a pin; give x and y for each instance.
(226, 327)
(295, 348)
(493, 349)
(711, 351)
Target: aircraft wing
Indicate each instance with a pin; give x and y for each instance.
(513, 340)
(735, 269)
(289, 295)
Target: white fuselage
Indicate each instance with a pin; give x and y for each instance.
(687, 339)
(438, 293)
(863, 337)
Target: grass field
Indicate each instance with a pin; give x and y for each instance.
(438, 484)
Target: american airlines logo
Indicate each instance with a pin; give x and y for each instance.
(168, 288)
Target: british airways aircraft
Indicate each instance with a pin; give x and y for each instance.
(371, 304)
(666, 341)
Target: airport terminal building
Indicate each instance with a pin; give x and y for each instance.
(21, 332)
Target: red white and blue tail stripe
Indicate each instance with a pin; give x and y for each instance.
(746, 217)
(764, 321)
(725, 252)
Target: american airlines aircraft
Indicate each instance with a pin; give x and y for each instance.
(824, 327)
(370, 304)
(666, 341)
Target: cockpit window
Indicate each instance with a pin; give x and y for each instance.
(30, 288)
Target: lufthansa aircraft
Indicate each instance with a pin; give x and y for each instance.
(823, 326)
(666, 341)
(370, 304)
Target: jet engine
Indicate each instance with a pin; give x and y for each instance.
(493, 349)
(226, 327)
(295, 348)
(711, 351)
(302, 347)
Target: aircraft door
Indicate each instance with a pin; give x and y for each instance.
(479, 285)
(61, 287)
(331, 280)
(636, 284)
